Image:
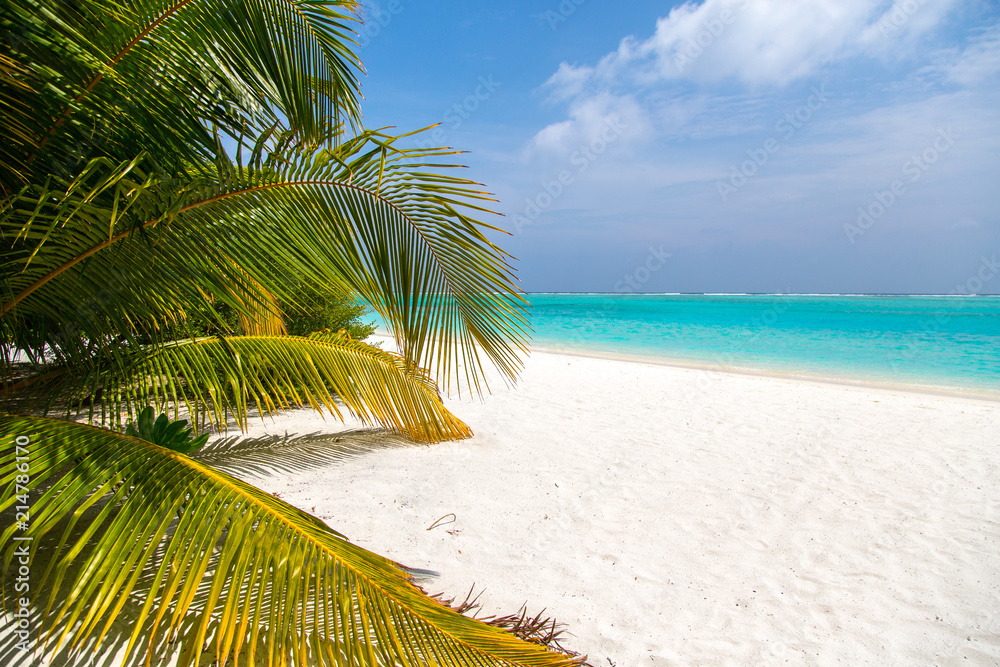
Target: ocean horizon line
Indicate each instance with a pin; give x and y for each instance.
(900, 339)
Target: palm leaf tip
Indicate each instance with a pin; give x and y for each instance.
(280, 372)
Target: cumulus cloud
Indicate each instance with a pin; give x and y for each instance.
(762, 42)
(903, 22)
(755, 43)
(567, 82)
(590, 117)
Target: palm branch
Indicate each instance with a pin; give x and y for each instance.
(233, 561)
(101, 76)
(365, 216)
(230, 375)
(122, 215)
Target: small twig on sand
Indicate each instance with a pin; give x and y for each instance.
(439, 521)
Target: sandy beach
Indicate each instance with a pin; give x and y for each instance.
(677, 516)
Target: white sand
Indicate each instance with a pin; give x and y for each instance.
(674, 516)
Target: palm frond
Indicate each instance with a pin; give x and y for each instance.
(237, 559)
(16, 138)
(270, 373)
(366, 217)
(261, 313)
(121, 216)
(105, 76)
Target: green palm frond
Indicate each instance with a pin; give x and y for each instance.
(122, 216)
(16, 138)
(219, 377)
(263, 315)
(161, 74)
(366, 216)
(130, 515)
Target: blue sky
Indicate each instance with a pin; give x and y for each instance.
(718, 146)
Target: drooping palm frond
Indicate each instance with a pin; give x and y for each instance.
(261, 314)
(364, 216)
(122, 215)
(241, 561)
(229, 375)
(16, 138)
(221, 377)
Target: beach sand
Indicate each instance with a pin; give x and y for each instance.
(677, 516)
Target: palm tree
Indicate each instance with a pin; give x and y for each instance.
(161, 158)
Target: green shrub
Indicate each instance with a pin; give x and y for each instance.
(165, 433)
(310, 310)
(326, 309)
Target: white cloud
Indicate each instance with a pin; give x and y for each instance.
(977, 64)
(762, 42)
(903, 23)
(756, 43)
(567, 82)
(590, 117)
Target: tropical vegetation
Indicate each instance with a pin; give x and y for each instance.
(173, 172)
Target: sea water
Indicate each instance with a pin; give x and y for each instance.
(935, 341)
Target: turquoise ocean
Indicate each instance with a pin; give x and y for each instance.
(937, 342)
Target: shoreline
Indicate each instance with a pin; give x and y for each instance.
(805, 376)
(930, 389)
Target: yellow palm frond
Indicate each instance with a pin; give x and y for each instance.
(198, 543)
(260, 314)
(271, 373)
